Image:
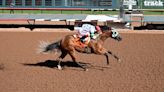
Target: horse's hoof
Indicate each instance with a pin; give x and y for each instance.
(119, 60)
(85, 69)
(59, 67)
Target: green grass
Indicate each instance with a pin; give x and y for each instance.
(58, 12)
(73, 12)
(153, 13)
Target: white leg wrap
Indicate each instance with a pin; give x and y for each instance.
(59, 67)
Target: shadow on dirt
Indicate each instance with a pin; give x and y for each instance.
(53, 64)
(2, 67)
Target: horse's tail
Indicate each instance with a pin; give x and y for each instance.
(46, 47)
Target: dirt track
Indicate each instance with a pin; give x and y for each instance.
(23, 70)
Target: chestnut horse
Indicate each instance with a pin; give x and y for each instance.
(68, 45)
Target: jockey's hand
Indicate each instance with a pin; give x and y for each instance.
(94, 37)
(92, 34)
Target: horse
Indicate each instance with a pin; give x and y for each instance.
(68, 45)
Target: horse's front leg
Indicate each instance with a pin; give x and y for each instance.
(116, 57)
(107, 59)
(99, 49)
(103, 51)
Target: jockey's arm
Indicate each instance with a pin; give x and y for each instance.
(98, 30)
(92, 33)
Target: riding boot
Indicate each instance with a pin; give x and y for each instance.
(82, 39)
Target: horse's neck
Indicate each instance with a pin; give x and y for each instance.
(103, 37)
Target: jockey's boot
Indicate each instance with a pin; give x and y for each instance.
(82, 39)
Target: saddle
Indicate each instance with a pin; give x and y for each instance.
(79, 43)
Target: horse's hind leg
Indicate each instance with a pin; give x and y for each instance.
(59, 59)
(116, 57)
(72, 54)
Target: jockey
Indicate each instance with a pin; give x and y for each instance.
(88, 30)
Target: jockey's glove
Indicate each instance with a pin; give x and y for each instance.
(94, 37)
(92, 34)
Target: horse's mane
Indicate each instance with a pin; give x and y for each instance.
(105, 28)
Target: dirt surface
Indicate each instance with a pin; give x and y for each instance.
(23, 70)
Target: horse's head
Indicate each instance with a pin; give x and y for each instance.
(115, 35)
(111, 32)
